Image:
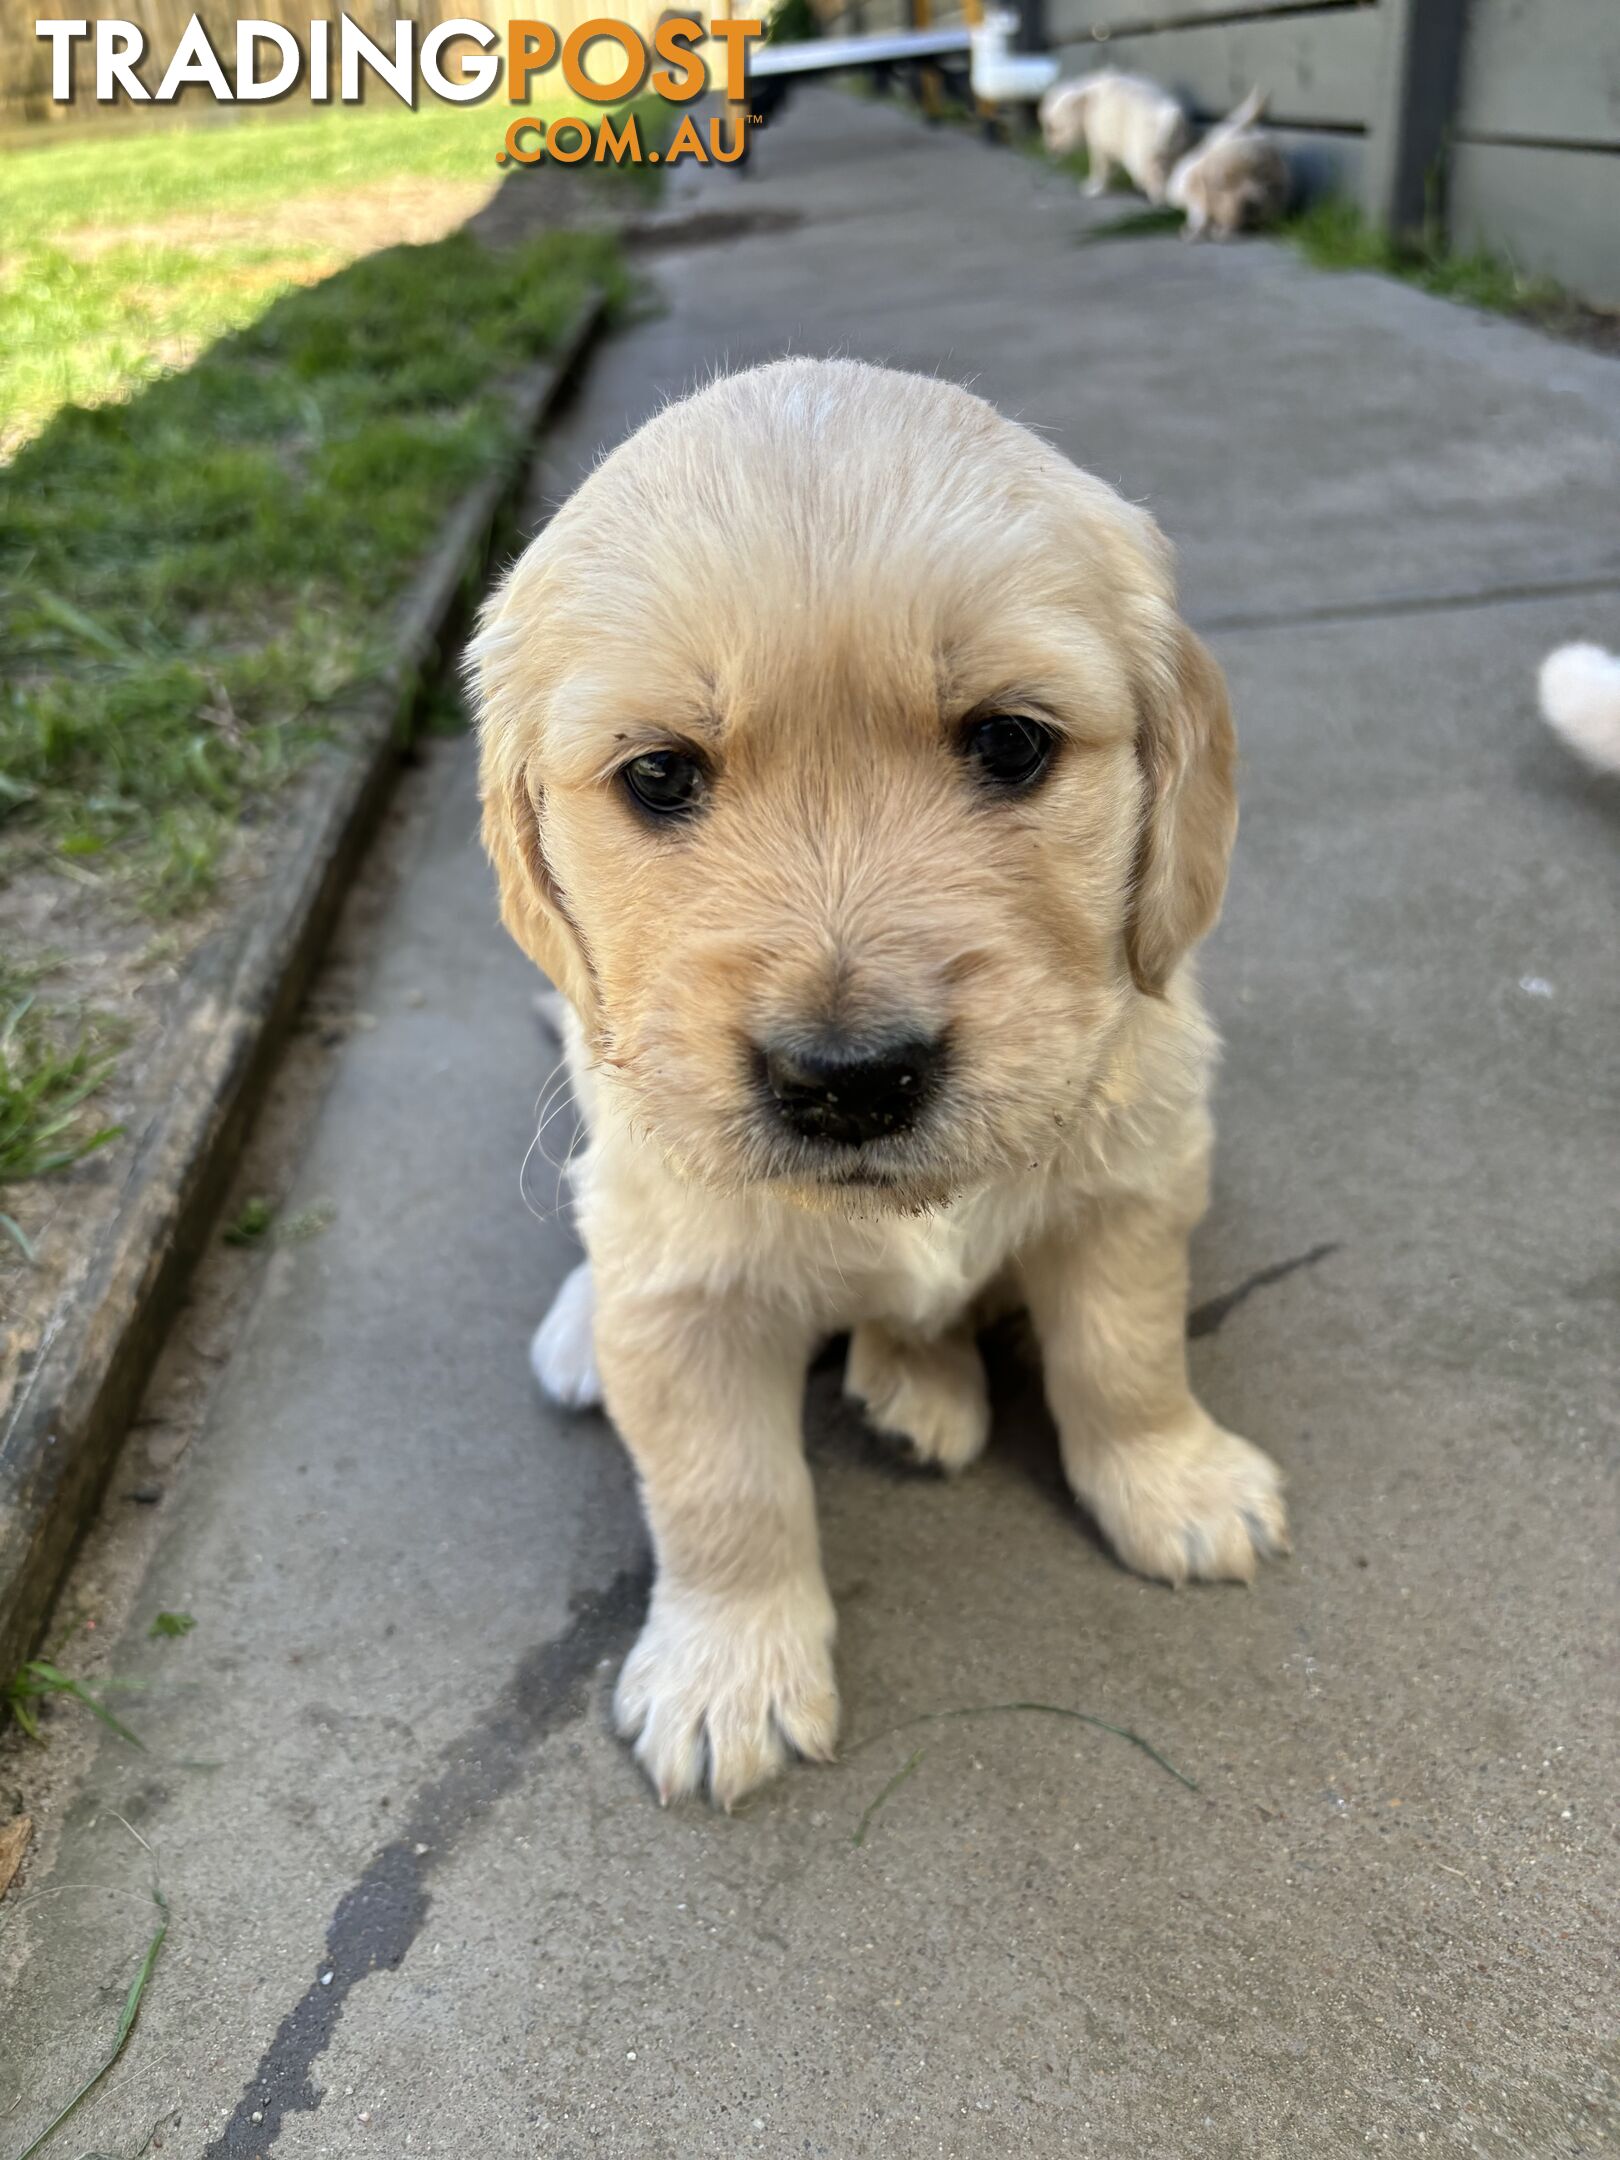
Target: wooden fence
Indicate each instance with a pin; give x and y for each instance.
(1535, 163)
(1499, 117)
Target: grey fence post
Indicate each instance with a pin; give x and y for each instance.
(1420, 66)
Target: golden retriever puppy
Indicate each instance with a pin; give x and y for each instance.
(846, 765)
(1235, 178)
(1121, 121)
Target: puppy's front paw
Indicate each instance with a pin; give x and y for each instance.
(719, 1689)
(930, 1393)
(1195, 1502)
(562, 1354)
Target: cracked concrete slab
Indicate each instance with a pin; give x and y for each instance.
(1384, 1918)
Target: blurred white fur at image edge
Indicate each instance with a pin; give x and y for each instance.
(1580, 700)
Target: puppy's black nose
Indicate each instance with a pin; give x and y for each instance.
(848, 1089)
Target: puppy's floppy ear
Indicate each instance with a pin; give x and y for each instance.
(1187, 750)
(532, 907)
(505, 673)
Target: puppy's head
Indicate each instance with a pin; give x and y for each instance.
(1062, 114)
(846, 764)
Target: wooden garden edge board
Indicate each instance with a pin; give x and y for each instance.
(208, 1073)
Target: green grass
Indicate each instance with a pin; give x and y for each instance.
(49, 1076)
(87, 329)
(190, 582)
(101, 290)
(40, 1681)
(253, 1225)
(1333, 235)
(95, 298)
(133, 1998)
(198, 562)
(145, 178)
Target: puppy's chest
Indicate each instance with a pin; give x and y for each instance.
(924, 1273)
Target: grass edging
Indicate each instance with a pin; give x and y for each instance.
(208, 1072)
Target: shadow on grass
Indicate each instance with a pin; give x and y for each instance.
(189, 580)
(194, 584)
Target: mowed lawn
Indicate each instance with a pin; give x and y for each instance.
(246, 371)
(122, 255)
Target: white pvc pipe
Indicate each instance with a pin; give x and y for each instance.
(821, 56)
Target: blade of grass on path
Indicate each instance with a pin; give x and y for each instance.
(126, 2025)
(38, 1679)
(1042, 1709)
(888, 1791)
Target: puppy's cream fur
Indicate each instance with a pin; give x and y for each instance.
(1121, 121)
(1580, 700)
(1236, 177)
(816, 574)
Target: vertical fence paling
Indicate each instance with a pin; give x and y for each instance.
(1409, 128)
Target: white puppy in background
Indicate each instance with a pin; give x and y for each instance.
(1235, 177)
(1118, 120)
(1580, 700)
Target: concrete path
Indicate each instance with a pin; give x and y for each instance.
(421, 1900)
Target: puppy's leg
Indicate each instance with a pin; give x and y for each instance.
(562, 1350)
(734, 1665)
(1097, 163)
(562, 1354)
(1174, 1494)
(931, 1393)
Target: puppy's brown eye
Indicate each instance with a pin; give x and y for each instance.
(666, 782)
(1008, 749)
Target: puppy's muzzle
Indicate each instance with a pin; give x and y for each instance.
(847, 1090)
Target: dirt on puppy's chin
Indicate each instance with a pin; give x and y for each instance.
(876, 1200)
